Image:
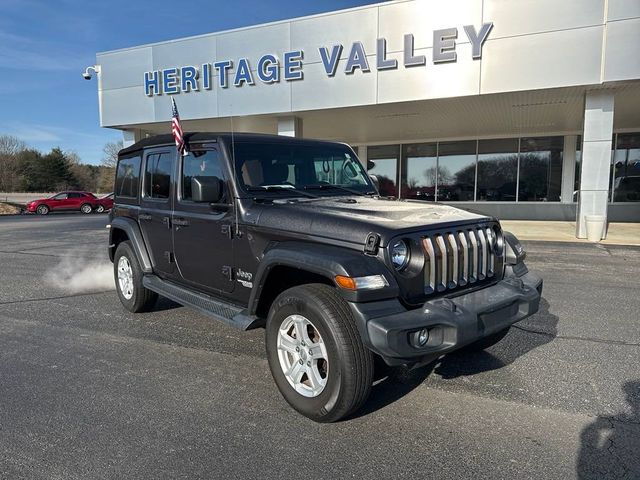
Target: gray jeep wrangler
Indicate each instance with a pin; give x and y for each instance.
(292, 235)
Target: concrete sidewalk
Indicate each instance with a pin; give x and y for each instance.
(617, 233)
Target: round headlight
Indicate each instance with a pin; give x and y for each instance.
(399, 254)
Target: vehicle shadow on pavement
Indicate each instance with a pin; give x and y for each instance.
(394, 383)
(163, 304)
(610, 446)
(531, 333)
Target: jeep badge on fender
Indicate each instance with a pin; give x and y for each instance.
(334, 273)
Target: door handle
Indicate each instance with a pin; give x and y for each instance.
(181, 222)
(144, 216)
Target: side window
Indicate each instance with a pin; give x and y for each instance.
(157, 176)
(200, 163)
(61, 196)
(75, 195)
(128, 177)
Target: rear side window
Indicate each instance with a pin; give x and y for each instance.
(75, 195)
(128, 177)
(157, 181)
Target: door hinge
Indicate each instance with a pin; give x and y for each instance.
(227, 230)
(227, 271)
(169, 257)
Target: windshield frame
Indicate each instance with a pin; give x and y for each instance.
(244, 191)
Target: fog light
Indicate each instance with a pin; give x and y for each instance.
(423, 337)
(420, 338)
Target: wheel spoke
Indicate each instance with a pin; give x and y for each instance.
(295, 372)
(300, 329)
(287, 343)
(318, 350)
(316, 380)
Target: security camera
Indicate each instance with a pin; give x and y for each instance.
(87, 72)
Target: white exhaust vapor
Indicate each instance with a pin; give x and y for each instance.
(81, 274)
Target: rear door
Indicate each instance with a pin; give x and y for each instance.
(75, 199)
(156, 207)
(202, 232)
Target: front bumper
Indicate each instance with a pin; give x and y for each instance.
(452, 322)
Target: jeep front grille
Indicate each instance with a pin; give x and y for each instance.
(458, 257)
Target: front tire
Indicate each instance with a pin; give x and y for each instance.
(128, 276)
(316, 355)
(100, 209)
(86, 208)
(42, 210)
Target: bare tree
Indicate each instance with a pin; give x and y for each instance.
(10, 147)
(110, 151)
(109, 162)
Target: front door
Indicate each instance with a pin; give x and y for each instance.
(202, 232)
(156, 207)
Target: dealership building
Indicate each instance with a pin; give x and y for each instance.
(523, 109)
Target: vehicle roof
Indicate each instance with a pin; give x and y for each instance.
(199, 137)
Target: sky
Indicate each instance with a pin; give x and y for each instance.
(45, 45)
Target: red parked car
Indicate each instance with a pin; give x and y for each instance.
(106, 203)
(83, 201)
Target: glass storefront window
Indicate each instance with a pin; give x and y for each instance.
(540, 169)
(626, 168)
(419, 171)
(456, 171)
(382, 161)
(497, 169)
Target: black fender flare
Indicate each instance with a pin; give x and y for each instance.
(327, 261)
(132, 229)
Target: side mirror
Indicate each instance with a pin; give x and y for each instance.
(206, 189)
(375, 181)
(370, 164)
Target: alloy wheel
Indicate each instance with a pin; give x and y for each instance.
(303, 356)
(125, 278)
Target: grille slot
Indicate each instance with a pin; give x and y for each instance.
(458, 257)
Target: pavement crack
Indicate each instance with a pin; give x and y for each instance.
(584, 339)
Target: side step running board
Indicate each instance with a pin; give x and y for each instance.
(205, 304)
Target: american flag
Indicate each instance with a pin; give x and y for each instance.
(176, 129)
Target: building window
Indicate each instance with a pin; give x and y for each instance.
(497, 170)
(626, 168)
(540, 172)
(456, 171)
(382, 161)
(419, 171)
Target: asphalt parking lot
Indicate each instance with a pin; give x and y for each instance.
(88, 390)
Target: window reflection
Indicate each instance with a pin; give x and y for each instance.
(382, 161)
(626, 168)
(419, 171)
(497, 170)
(540, 169)
(456, 170)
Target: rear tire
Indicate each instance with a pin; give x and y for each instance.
(42, 210)
(486, 342)
(128, 276)
(316, 355)
(86, 208)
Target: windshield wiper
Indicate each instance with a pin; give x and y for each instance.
(325, 186)
(281, 188)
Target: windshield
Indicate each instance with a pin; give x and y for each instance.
(291, 167)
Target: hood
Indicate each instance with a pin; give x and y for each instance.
(351, 219)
